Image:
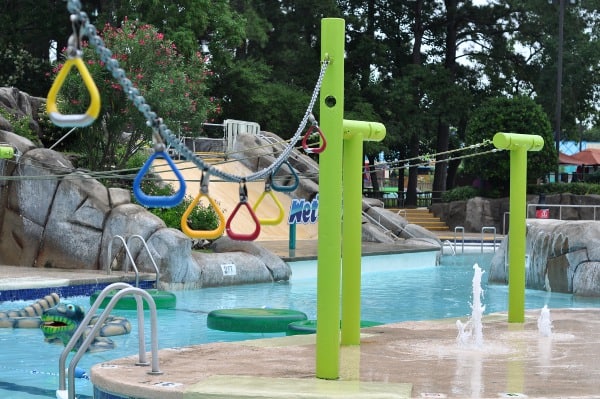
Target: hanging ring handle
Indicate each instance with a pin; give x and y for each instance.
(281, 187)
(323, 142)
(74, 60)
(243, 202)
(158, 201)
(280, 216)
(203, 234)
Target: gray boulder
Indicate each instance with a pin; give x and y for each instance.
(562, 256)
(53, 215)
(277, 268)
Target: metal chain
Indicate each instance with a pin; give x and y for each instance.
(152, 120)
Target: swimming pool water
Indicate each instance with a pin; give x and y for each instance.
(392, 290)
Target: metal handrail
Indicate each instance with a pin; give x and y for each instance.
(125, 289)
(560, 206)
(383, 228)
(488, 228)
(125, 269)
(149, 255)
(462, 229)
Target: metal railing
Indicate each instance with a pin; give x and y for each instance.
(384, 229)
(124, 289)
(129, 257)
(139, 237)
(560, 208)
(456, 230)
(483, 230)
(461, 229)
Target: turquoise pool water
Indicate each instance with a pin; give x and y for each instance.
(392, 290)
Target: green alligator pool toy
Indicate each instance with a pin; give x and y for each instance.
(58, 321)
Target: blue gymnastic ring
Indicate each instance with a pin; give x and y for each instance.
(158, 201)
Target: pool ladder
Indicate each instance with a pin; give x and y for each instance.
(461, 229)
(129, 257)
(124, 290)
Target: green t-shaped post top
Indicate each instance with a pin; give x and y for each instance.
(368, 131)
(518, 144)
(516, 141)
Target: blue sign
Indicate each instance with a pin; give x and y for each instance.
(303, 211)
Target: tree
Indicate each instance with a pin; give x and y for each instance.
(173, 85)
(512, 115)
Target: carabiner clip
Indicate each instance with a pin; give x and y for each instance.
(158, 201)
(243, 202)
(203, 234)
(323, 143)
(268, 191)
(74, 60)
(281, 187)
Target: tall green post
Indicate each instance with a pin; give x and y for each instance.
(330, 199)
(355, 132)
(518, 144)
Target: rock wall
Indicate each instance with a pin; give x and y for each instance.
(478, 212)
(55, 216)
(562, 256)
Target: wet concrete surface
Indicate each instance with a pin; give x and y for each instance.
(409, 359)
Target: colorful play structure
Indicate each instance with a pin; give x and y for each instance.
(340, 177)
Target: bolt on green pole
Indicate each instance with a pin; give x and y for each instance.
(330, 201)
(355, 132)
(518, 145)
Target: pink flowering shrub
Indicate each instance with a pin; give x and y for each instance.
(173, 85)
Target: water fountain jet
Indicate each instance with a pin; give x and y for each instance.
(544, 322)
(471, 332)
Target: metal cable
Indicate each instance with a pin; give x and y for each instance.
(152, 119)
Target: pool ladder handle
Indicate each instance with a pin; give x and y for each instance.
(129, 258)
(125, 289)
(462, 230)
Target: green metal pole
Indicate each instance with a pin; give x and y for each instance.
(292, 238)
(518, 144)
(352, 239)
(355, 132)
(330, 201)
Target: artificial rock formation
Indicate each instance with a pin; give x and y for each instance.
(56, 216)
(562, 256)
(53, 215)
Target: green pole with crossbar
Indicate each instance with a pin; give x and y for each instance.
(518, 145)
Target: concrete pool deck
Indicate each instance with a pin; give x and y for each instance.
(408, 359)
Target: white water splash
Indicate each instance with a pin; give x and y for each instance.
(470, 334)
(544, 322)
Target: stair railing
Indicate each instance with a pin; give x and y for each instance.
(125, 289)
(126, 266)
(384, 229)
(462, 230)
(139, 237)
(483, 230)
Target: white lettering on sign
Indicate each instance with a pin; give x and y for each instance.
(228, 269)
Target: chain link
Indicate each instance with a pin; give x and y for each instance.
(152, 119)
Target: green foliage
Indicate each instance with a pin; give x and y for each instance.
(20, 125)
(559, 188)
(512, 115)
(201, 218)
(460, 194)
(174, 86)
(18, 68)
